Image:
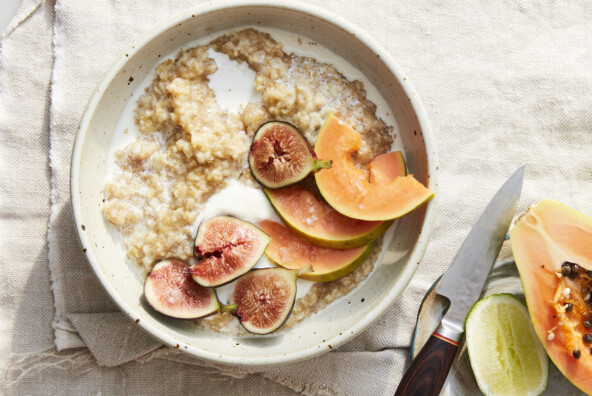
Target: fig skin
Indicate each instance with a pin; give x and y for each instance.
(279, 147)
(228, 245)
(250, 289)
(173, 278)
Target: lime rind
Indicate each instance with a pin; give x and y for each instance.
(505, 353)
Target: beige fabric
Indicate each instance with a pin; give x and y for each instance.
(503, 83)
(25, 296)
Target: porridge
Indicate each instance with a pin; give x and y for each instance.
(189, 148)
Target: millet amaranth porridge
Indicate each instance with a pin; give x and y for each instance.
(189, 148)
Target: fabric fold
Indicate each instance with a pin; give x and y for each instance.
(26, 9)
(126, 341)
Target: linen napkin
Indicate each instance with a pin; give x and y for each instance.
(503, 83)
(25, 297)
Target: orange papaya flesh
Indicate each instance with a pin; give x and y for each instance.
(545, 239)
(384, 168)
(349, 190)
(314, 220)
(289, 251)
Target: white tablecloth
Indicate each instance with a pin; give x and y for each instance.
(503, 83)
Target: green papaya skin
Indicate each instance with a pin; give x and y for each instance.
(335, 231)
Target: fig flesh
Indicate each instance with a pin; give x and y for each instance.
(281, 156)
(226, 248)
(170, 290)
(264, 298)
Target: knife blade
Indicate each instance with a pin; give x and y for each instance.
(462, 284)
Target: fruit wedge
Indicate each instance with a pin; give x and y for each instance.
(309, 216)
(280, 155)
(265, 298)
(170, 290)
(314, 220)
(506, 356)
(349, 190)
(226, 248)
(289, 251)
(384, 168)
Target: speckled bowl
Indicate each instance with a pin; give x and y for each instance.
(341, 320)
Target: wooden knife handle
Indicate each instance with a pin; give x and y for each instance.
(429, 369)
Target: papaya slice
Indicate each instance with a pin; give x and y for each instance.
(552, 244)
(289, 251)
(349, 189)
(314, 220)
(384, 168)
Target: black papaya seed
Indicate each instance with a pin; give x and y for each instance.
(573, 274)
(568, 307)
(587, 324)
(587, 338)
(565, 271)
(576, 354)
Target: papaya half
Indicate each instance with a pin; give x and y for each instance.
(552, 247)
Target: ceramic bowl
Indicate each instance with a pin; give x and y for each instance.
(341, 320)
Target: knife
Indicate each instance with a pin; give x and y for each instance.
(462, 284)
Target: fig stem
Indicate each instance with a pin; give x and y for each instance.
(228, 308)
(304, 270)
(322, 164)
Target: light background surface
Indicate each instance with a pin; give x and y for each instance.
(503, 83)
(7, 11)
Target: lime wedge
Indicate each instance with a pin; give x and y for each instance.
(505, 353)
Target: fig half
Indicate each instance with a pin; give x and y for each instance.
(226, 248)
(170, 290)
(264, 299)
(281, 156)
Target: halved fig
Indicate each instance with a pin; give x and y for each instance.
(264, 299)
(281, 156)
(170, 290)
(226, 248)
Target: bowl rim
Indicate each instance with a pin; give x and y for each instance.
(432, 164)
